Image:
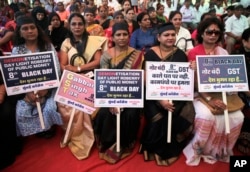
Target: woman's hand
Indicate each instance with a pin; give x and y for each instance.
(167, 105)
(71, 68)
(33, 97)
(193, 65)
(50, 28)
(217, 104)
(115, 110)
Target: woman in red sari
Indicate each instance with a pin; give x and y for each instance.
(210, 142)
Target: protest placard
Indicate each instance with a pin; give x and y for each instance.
(220, 73)
(118, 88)
(169, 80)
(29, 72)
(76, 91)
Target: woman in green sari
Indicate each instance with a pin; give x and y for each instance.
(121, 56)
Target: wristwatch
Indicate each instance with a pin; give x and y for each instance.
(208, 98)
(78, 68)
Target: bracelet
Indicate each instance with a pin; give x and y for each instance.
(208, 98)
(78, 68)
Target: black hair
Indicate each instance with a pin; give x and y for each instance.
(173, 13)
(51, 15)
(140, 16)
(246, 34)
(44, 22)
(205, 24)
(130, 9)
(126, 1)
(21, 5)
(162, 28)
(204, 15)
(119, 26)
(43, 41)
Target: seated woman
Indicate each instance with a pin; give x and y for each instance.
(56, 31)
(125, 4)
(183, 36)
(243, 142)
(211, 142)
(160, 12)
(154, 145)
(39, 15)
(143, 38)
(104, 19)
(80, 53)
(92, 27)
(121, 56)
(132, 24)
(118, 17)
(30, 38)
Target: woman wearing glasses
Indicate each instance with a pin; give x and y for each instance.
(80, 56)
(210, 141)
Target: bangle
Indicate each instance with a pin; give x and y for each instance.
(208, 98)
(78, 68)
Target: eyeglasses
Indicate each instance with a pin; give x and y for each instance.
(211, 32)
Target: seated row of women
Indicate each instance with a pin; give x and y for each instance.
(196, 131)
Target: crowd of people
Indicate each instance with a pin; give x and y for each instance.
(115, 34)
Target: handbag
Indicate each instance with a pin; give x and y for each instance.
(77, 60)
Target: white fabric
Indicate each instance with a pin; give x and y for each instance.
(245, 3)
(183, 33)
(167, 10)
(235, 25)
(187, 14)
(197, 14)
(210, 142)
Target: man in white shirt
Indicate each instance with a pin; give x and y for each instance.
(197, 13)
(219, 7)
(204, 7)
(188, 16)
(170, 6)
(234, 27)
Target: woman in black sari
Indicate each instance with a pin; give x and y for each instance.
(154, 144)
(121, 56)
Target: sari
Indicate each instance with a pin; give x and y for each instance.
(154, 144)
(211, 142)
(95, 30)
(81, 136)
(105, 121)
